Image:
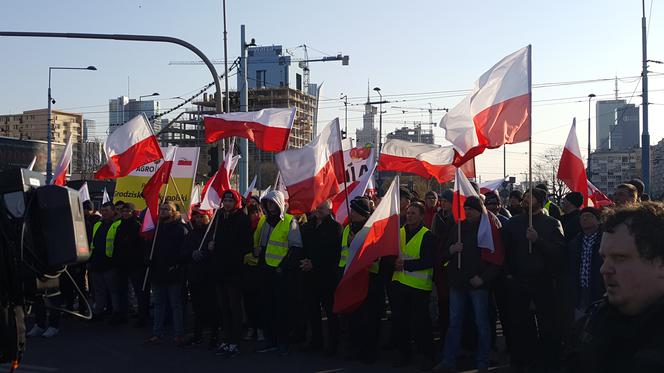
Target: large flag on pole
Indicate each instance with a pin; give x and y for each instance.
(152, 189)
(60, 174)
(312, 173)
(496, 112)
(426, 160)
(571, 169)
(129, 147)
(269, 129)
(491, 185)
(379, 237)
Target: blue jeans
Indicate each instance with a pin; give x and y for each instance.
(479, 299)
(173, 295)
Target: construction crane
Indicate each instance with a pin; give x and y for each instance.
(303, 63)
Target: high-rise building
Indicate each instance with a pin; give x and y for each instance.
(368, 134)
(122, 109)
(268, 67)
(33, 124)
(605, 119)
(89, 129)
(625, 134)
(613, 167)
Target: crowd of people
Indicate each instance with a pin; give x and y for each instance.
(573, 288)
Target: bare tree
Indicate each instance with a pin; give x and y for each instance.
(545, 169)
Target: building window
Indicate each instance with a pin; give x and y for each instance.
(298, 82)
(260, 78)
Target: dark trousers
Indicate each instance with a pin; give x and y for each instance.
(44, 317)
(251, 291)
(319, 292)
(136, 277)
(364, 323)
(229, 297)
(206, 311)
(534, 339)
(501, 297)
(443, 293)
(68, 290)
(410, 319)
(278, 299)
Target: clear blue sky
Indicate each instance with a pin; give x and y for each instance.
(406, 48)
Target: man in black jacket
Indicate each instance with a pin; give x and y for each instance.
(232, 241)
(167, 272)
(571, 205)
(321, 237)
(100, 266)
(129, 260)
(625, 331)
(534, 257)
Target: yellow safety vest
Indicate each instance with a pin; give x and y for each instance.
(110, 236)
(277, 244)
(345, 252)
(422, 279)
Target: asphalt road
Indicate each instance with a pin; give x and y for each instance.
(88, 347)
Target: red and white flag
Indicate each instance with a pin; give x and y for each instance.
(129, 147)
(371, 187)
(497, 110)
(360, 164)
(571, 169)
(379, 237)
(269, 129)
(597, 197)
(491, 185)
(250, 189)
(220, 181)
(312, 173)
(153, 187)
(488, 236)
(426, 160)
(60, 174)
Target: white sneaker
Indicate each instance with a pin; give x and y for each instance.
(51, 332)
(259, 335)
(36, 331)
(250, 334)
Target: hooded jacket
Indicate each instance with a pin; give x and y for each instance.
(233, 240)
(291, 261)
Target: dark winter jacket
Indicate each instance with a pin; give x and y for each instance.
(168, 259)
(322, 245)
(607, 341)
(200, 268)
(574, 250)
(547, 257)
(571, 224)
(471, 259)
(233, 241)
(129, 252)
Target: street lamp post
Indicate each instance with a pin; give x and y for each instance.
(150, 95)
(380, 120)
(49, 136)
(590, 97)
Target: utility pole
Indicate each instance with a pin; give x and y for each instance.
(645, 136)
(244, 106)
(228, 99)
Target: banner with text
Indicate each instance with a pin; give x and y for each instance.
(130, 187)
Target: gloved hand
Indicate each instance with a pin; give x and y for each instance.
(197, 255)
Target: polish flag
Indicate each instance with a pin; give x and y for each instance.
(268, 128)
(312, 173)
(571, 170)
(488, 236)
(597, 198)
(360, 164)
(491, 185)
(129, 147)
(426, 160)
(250, 189)
(153, 187)
(84, 193)
(496, 112)
(212, 192)
(379, 237)
(104, 197)
(60, 174)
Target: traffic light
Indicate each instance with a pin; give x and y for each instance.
(213, 152)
